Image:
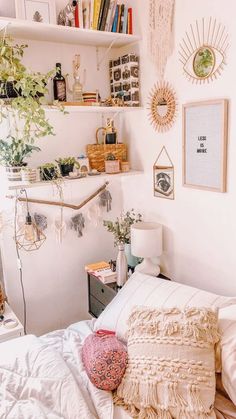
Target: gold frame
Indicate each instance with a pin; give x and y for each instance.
(160, 91)
(223, 145)
(204, 34)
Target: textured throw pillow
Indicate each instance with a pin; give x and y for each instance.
(171, 364)
(104, 359)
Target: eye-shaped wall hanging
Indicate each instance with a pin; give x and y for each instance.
(203, 51)
(163, 106)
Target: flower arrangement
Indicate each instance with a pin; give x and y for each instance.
(121, 226)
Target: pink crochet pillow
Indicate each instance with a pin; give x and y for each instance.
(105, 359)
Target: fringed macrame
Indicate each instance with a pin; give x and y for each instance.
(77, 223)
(105, 200)
(161, 33)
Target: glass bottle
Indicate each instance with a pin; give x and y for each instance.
(59, 85)
(77, 91)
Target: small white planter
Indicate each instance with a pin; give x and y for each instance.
(13, 173)
(29, 175)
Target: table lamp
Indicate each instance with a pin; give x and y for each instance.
(146, 242)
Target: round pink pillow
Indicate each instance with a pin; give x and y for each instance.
(105, 359)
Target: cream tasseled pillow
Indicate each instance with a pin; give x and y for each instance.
(171, 364)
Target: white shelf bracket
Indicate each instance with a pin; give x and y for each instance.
(99, 61)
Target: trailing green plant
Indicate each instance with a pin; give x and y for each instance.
(13, 152)
(48, 166)
(110, 157)
(120, 228)
(67, 160)
(25, 115)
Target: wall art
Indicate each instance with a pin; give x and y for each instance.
(43, 11)
(163, 106)
(205, 129)
(163, 175)
(203, 50)
(161, 33)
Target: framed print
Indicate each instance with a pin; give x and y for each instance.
(43, 11)
(205, 130)
(163, 176)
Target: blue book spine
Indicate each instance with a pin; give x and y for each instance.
(115, 23)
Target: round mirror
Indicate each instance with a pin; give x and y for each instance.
(204, 62)
(162, 106)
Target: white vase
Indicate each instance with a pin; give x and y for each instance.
(121, 266)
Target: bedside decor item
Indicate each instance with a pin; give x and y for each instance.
(161, 33)
(204, 56)
(163, 106)
(124, 79)
(112, 165)
(98, 152)
(121, 266)
(77, 223)
(205, 130)
(121, 227)
(171, 363)
(105, 359)
(36, 10)
(163, 175)
(29, 237)
(146, 242)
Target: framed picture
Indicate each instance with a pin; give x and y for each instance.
(43, 11)
(163, 176)
(205, 130)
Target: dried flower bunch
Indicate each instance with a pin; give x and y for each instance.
(121, 227)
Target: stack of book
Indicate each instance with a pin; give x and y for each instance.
(104, 15)
(102, 271)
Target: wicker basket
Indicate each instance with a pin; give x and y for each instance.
(2, 300)
(98, 152)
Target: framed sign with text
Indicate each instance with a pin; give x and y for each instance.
(205, 130)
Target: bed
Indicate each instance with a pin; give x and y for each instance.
(44, 377)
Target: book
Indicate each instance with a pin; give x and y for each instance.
(110, 16)
(77, 16)
(125, 23)
(86, 14)
(118, 19)
(97, 265)
(91, 13)
(115, 21)
(106, 276)
(96, 9)
(122, 8)
(104, 15)
(80, 12)
(130, 21)
(100, 14)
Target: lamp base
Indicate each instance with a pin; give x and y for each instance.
(147, 267)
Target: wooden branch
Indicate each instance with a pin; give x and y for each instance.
(62, 204)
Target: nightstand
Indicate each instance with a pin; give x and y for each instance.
(7, 334)
(99, 295)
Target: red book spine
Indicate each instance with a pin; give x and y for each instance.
(130, 21)
(77, 15)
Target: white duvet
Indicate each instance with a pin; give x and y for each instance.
(44, 378)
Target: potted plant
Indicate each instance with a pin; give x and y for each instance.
(112, 165)
(22, 117)
(120, 228)
(48, 171)
(12, 155)
(66, 165)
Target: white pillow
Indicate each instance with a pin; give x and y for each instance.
(153, 292)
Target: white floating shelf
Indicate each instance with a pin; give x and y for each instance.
(12, 186)
(25, 29)
(95, 109)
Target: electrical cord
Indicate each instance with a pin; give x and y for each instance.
(19, 264)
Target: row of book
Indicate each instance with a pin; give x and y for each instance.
(102, 271)
(104, 15)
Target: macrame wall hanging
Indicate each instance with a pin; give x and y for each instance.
(161, 33)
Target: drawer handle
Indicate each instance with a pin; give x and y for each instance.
(103, 291)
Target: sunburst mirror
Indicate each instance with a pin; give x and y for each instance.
(163, 106)
(203, 50)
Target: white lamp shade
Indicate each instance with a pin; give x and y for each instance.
(146, 240)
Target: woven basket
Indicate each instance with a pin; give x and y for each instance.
(98, 152)
(2, 300)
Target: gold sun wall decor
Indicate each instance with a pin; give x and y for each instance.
(163, 106)
(203, 50)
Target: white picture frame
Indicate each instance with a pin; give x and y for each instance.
(205, 131)
(43, 11)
